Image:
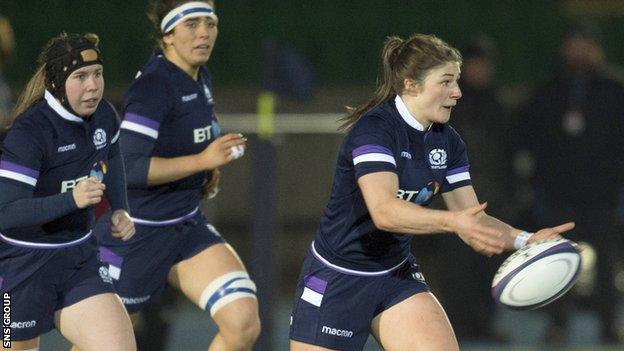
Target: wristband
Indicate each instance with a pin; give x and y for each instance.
(522, 239)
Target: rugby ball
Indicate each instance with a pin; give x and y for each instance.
(537, 274)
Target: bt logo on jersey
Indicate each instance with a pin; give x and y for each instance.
(67, 185)
(422, 196)
(406, 195)
(201, 134)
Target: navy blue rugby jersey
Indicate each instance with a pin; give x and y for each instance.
(166, 114)
(47, 151)
(386, 139)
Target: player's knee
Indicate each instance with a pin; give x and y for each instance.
(241, 330)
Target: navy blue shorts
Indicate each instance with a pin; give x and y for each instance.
(335, 310)
(140, 266)
(42, 281)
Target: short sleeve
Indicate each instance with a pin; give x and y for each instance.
(458, 170)
(146, 105)
(371, 146)
(22, 156)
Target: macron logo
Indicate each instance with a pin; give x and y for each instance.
(187, 98)
(406, 155)
(135, 300)
(66, 148)
(23, 325)
(337, 332)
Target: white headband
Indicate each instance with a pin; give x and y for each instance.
(187, 10)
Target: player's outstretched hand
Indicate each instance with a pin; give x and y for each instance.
(88, 192)
(551, 233)
(222, 151)
(482, 239)
(122, 226)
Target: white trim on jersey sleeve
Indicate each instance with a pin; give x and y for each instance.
(135, 127)
(458, 177)
(18, 176)
(374, 157)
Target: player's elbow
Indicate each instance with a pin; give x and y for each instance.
(137, 169)
(382, 218)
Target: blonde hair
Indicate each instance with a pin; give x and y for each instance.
(32, 93)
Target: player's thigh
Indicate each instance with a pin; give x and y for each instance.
(99, 322)
(23, 345)
(417, 323)
(300, 346)
(202, 273)
(194, 274)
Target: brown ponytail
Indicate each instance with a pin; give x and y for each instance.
(384, 91)
(401, 59)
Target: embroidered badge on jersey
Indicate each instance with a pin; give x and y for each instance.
(99, 138)
(106, 278)
(437, 159)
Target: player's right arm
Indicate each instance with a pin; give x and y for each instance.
(20, 164)
(216, 154)
(371, 147)
(392, 214)
(147, 105)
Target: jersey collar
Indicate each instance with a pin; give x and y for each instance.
(59, 109)
(407, 116)
(179, 72)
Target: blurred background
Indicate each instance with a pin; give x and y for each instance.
(542, 115)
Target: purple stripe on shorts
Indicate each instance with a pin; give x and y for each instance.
(1, 281)
(110, 257)
(368, 149)
(131, 117)
(315, 283)
(10, 166)
(458, 170)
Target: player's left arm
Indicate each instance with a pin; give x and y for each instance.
(115, 180)
(465, 197)
(122, 226)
